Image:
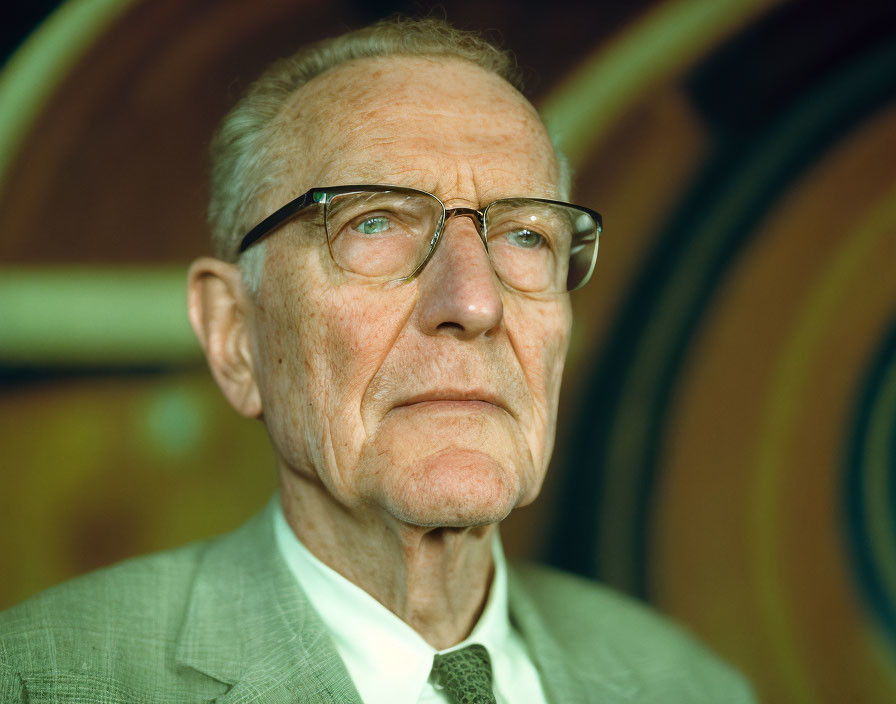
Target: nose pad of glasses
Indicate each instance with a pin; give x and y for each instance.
(474, 215)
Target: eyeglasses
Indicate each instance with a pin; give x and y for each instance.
(389, 233)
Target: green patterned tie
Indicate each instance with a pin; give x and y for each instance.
(466, 675)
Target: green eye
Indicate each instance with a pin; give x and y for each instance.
(527, 239)
(373, 225)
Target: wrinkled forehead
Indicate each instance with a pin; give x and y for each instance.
(407, 120)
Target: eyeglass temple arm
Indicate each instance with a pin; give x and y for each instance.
(278, 217)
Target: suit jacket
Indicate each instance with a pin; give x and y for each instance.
(224, 620)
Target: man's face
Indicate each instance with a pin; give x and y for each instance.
(432, 400)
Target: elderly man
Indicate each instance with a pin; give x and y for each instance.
(390, 298)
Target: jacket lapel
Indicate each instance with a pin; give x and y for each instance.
(250, 626)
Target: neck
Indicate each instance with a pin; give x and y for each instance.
(435, 579)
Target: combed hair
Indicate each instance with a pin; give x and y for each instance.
(243, 151)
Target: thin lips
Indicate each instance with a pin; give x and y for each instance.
(455, 395)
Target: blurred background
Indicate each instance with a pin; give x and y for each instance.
(727, 448)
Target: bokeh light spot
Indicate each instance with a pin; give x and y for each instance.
(174, 422)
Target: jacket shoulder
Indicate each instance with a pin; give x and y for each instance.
(91, 623)
(594, 622)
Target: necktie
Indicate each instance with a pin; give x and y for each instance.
(466, 675)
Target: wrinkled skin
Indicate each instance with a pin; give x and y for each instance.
(407, 418)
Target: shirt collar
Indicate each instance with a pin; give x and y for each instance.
(386, 658)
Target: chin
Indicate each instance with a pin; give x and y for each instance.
(453, 489)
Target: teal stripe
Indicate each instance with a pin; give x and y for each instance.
(869, 489)
(90, 316)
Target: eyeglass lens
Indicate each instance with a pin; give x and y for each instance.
(533, 246)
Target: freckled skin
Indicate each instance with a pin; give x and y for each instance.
(419, 488)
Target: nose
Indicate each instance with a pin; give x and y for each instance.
(459, 293)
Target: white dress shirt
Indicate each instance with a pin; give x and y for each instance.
(388, 661)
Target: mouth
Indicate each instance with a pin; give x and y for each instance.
(472, 400)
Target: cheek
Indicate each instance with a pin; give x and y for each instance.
(541, 340)
(354, 338)
(326, 343)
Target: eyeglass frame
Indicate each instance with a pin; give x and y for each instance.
(319, 195)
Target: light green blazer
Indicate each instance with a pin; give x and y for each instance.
(224, 620)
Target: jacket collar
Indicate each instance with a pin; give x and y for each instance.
(601, 674)
(249, 625)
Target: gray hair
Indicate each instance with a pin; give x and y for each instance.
(244, 161)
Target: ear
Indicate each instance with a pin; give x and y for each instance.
(219, 309)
